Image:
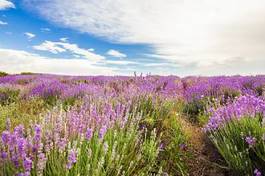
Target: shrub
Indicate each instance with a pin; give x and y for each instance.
(237, 130)
(229, 95)
(21, 112)
(69, 102)
(195, 107)
(8, 95)
(27, 73)
(159, 116)
(241, 143)
(260, 90)
(50, 92)
(2, 74)
(97, 139)
(52, 150)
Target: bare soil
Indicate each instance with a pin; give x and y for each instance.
(204, 160)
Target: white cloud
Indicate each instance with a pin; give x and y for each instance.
(115, 53)
(189, 32)
(120, 62)
(45, 29)
(64, 39)
(16, 61)
(3, 23)
(49, 46)
(5, 4)
(59, 47)
(162, 64)
(29, 35)
(76, 56)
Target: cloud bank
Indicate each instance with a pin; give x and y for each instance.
(17, 61)
(190, 34)
(5, 4)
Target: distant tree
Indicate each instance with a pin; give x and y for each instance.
(27, 73)
(2, 74)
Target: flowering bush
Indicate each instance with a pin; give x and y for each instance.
(97, 138)
(249, 106)
(70, 144)
(237, 130)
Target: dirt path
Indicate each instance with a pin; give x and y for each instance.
(204, 157)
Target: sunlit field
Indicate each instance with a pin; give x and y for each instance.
(132, 88)
(137, 125)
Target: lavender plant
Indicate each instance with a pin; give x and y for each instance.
(237, 130)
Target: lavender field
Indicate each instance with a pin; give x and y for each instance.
(138, 125)
(132, 88)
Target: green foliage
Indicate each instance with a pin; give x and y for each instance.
(202, 119)
(160, 117)
(8, 95)
(23, 81)
(228, 95)
(27, 73)
(172, 155)
(154, 113)
(120, 152)
(132, 150)
(260, 90)
(67, 103)
(231, 144)
(194, 108)
(51, 100)
(2, 74)
(21, 112)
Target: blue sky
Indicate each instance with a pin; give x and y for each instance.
(90, 37)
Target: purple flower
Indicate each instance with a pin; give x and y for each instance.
(102, 131)
(183, 147)
(251, 141)
(161, 146)
(71, 159)
(5, 137)
(62, 144)
(21, 144)
(15, 160)
(41, 162)
(37, 130)
(19, 130)
(24, 174)
(244, 106)
(89, 133)
(142, 126)
(37, 138)
(257, 172)
(4, 155)
(27, 164)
